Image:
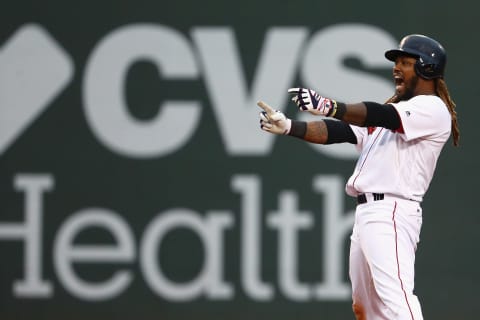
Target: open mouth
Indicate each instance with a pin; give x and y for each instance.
(399, 82)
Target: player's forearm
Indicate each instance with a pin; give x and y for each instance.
(323, 131)
(316, 132)
(354, 113)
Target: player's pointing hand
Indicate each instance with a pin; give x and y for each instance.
(273, 121)
(266, 108)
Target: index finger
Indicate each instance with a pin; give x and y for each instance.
(269, 110)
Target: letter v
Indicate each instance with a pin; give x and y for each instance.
(234, 107)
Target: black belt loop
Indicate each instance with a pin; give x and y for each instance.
(362, 198)
(378, 196)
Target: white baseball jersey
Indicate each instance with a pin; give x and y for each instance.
(402, 162)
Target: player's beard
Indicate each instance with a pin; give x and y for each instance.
(409, 90)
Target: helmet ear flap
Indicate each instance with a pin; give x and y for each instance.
(426, 70)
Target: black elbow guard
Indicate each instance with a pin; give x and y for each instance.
(382, 115)
(339, 131)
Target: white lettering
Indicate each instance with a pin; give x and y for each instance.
(251, 243)
(322, 67)
(210, 232)
(234, 105)
(288, 220)
(66, 253)
(336, 227)
(104, 96)
(31, 232)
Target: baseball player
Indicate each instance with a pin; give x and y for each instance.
(399, 144)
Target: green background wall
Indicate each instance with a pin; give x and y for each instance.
(59, 153)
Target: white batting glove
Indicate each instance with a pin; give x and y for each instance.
(309, 100)
(273, 121)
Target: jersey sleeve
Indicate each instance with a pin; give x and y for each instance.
(423, 116)
(360, 133)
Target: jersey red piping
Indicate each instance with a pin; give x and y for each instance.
(398, 262)
(364, 160)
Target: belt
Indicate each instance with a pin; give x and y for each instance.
(366, 197)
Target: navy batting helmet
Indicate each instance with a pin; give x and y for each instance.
(431, 56)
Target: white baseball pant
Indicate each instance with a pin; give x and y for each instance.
(382, 258)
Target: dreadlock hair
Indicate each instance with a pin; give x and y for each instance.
(442, 91)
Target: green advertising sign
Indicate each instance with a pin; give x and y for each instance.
(136, 183)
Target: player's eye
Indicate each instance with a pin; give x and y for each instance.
(407, 62)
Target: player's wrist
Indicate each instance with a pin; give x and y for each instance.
(297, 129)
(338, 110)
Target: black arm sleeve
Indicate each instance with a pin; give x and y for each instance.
(339, 131)
(382, 115)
